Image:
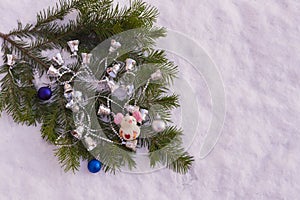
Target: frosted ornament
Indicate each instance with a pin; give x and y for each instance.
(158, 125)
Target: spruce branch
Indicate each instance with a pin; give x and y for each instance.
(95, 21)
(69, 157)
(165, 148)
(20, 48)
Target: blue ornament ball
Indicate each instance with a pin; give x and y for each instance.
(44, 93)
(94, 166)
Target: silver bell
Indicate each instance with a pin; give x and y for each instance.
(90, 143)
(130, 64)
(131, 144)
(103, 110)
(73, 44)
(58, 59)
(78, 132)
(114, 45)
(11, 59)
(86, 58)
(113, 71)
(68, 88)
(53, 72)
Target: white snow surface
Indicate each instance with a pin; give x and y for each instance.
(256, 46)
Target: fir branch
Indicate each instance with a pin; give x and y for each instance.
(165, 148)
(60, 10)
(45, 17)
(167, 102)
(114, 156)
(182, 164)
(49, 124)
(20, 48)
(69, 157)
(19, 96)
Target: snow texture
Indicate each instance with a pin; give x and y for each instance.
(255, 45)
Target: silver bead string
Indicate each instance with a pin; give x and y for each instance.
(142, 93)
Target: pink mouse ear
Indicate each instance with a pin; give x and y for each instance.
(118, 118)
(138, 116)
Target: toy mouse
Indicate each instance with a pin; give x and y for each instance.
(129, 129)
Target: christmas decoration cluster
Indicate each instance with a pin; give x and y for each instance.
(101, 106)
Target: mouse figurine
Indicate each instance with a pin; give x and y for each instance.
(129, 129)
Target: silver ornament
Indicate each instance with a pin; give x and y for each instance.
(103, 110)
(75, 108)
(86, 58)
(58, 59)
(72, 106)
(158, 125)
(68, 96)
(11, 59)
(78, 132)
(102, 86)
(53, 72)
(114, 45)
(73, 44)
(130, 64)
(132, 109)
(68, 88)
(90, 143)
(131, 144)
(156, 75)
(144, 113)
(113, 71)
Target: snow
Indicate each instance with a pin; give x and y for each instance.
(255, 45)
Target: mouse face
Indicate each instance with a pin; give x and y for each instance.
(128, 121)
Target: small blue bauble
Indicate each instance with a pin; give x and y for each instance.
(44, 93)
(94, 166)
